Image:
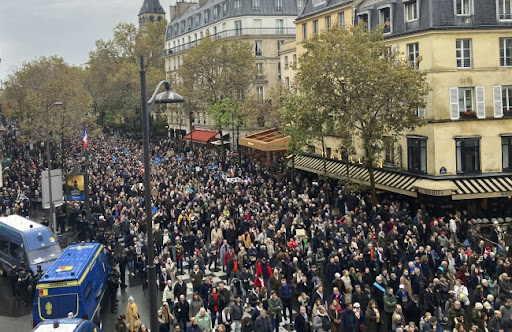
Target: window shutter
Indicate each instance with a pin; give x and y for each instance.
(480, 102)
(421, 112)
(498, 103)
(454, 103)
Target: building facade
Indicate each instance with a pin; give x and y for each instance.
(266, 24)
(464, 151)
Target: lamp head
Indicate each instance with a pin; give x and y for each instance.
(168, 97)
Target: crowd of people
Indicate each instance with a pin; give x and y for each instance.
(296, 254)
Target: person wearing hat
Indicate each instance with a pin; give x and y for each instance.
(434, 325)
(275, 309)
(237, 312)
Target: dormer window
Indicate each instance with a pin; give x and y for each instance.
(225, 9)
(256, 5)
(198, 19)
(182, 26)
(206, 16)
(411, 11)
(215, 13)
(363, 18)
(279, 5)
(189, 23)
(463, 7)
(238, 6)
(318, 2)
(385, 19)
(300, 5)
(505, 7)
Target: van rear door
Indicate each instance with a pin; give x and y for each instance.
(58, 304)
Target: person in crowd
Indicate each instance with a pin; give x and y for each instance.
(132, 315)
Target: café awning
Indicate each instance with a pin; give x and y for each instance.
(267, 140)
(201, 136)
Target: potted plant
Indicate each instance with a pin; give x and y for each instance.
(468, 114)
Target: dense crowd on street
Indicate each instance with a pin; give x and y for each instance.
(296, 254)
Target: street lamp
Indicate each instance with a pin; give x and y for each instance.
(50, 197)
(167, 97)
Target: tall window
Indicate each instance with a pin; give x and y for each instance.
(389, 151)
(304, 31)
(385, 19)
(466, 100)
(468, 155)
(505, 7)
(463, 7)
(506, 100)
(505, 51)
(259, 68)
(259, 90)
(285, 62)
(463, 47)
(417, 154)
(280, 26)
(279, 70)
(327, 22)
(295, 59)
(506, 152)
(215, 13)
(256, 5)
(411, 11)
(238, 6)
(315, 26)
(279, 43)
(258, 47)
(279, 6)
(413, 51)
(238, 27)
(341, 19)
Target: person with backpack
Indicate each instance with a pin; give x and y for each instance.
(321, 322)
(285, 293)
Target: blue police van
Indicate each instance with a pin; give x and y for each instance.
(26, 243)
(74, 286)
(66, 325)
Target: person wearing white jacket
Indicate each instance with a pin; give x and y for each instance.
(168, 295)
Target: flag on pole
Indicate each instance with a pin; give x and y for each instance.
(85, 139)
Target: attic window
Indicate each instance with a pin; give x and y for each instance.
(198, 19)
(225, 9)
(206, 16)
(318, 2)
(238, 6)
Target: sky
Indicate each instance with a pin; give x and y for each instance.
(67, 28)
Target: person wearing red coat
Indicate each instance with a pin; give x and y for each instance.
(260, 282)
(262, 266)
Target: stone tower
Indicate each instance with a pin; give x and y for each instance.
(151, 11)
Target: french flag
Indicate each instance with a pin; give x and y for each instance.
(85, 140)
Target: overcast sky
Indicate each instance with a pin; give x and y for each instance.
(67, 28)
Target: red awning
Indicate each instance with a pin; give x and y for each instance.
(201, 136)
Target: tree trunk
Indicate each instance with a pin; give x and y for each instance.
(369, 167)
(222, 147)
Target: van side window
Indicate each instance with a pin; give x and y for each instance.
(87, 291)
(15, 251)
(4, 245)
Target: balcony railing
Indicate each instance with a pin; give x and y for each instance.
(236, 33)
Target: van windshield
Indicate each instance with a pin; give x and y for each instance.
(44, 254)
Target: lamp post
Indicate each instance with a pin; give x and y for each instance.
(50, 197)
(166, 97)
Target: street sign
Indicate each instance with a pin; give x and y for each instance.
(57, 195)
